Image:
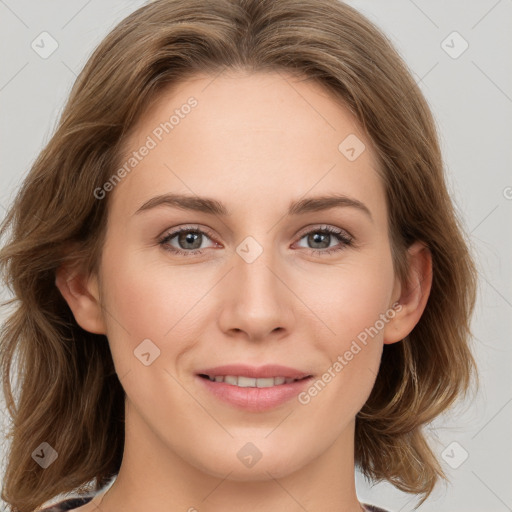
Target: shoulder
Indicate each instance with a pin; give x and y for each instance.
(67, 504)
(373, 508)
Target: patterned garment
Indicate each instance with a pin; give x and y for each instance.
(72, 503)
(68, 504)
(373, 508)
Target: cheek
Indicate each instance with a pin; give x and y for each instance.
(350, 297)
(359, 302)
(351, 303)
(144, 302)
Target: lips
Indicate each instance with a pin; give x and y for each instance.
(250, 382)
(255, 389)
(261, 372)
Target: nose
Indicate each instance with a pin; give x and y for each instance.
(257, 303)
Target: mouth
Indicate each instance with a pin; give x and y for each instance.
(250, 382)
(251, 388)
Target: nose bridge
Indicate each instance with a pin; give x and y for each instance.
(255, 275)
(257, 300)
(252, 270)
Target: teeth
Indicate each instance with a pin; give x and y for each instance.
(229, 379)
(246, 382)
(266, 383)
(249, 382)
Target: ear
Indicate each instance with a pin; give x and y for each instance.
(82, 295)
(411, 297)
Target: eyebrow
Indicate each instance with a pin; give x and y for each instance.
(214, 207)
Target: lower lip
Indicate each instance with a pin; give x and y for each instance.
(255, 399)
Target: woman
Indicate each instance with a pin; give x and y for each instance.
(319, 317)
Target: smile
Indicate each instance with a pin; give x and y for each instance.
(249, 382)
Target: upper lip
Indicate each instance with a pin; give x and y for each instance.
(256, 372)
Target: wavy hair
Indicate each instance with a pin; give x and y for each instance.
(67, 392)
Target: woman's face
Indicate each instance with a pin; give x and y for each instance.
(256, 281)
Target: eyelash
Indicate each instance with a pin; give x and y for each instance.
(343, 237)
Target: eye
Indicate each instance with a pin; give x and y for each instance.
(189, 238)
(321, 237)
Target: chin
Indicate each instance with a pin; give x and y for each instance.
(244, 462)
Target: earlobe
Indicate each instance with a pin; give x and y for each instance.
(413, 295)
(82, 296)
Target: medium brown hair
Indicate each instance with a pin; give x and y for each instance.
(68, 392)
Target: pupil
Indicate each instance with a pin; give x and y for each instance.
(188, 237)
(317, 238)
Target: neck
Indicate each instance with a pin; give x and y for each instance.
(154, 476)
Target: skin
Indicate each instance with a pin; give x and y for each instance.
(255, 142)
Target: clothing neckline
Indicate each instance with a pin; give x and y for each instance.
(75, 502)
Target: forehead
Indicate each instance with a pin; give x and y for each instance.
(246, 137)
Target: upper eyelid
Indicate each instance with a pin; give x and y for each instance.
(324, 227)
(175, 231)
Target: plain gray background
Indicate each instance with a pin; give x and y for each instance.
(470, 93)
